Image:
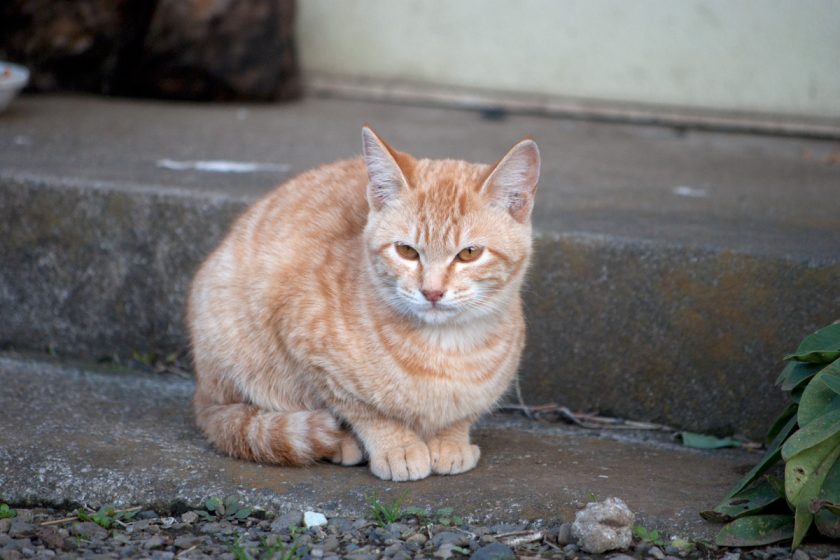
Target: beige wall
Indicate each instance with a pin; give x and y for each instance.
(775, 56)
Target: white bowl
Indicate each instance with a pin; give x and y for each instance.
(13, 78)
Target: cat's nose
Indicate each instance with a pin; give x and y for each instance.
(432, 295)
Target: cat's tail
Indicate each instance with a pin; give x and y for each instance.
(283, 438)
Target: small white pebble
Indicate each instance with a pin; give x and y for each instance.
(314, 519)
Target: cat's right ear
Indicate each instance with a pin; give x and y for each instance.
(386, 178)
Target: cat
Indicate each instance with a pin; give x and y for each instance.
(366, 309)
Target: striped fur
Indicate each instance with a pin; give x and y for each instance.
(312, 336)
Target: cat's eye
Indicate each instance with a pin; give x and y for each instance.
(469, 254)
(407, 251)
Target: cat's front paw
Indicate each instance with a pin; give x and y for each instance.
(401, 463)
(451, 457)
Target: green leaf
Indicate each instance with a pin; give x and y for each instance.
(820, 347)
(243, 513)
(6, 512)
(816, 431)
(756, 530)
(832, 382)
(770, 458)
(827, 519)
(702, 441)
(749, 501)
(802, 522)
(796, 373)
(213, 503)
(806, 471)
(817, 399)
(779, 423)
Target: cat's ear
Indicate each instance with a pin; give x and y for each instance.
(386, 179)
(512, 183)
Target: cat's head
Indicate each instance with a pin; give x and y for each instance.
(448, 241)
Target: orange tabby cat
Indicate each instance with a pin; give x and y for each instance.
(366, 308)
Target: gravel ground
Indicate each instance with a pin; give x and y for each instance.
(45, 533)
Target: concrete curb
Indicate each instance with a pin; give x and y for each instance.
(685, 336)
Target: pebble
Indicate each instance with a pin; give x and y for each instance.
(188, 541)
(146, 514)
(290, 519)
(418, 538)
(154, 542)
(620, 556)
(25, 515)
(656, 552)
(20, 528)
(189, 517)
(8, 554)
(495, 551)
(50, 537)
(448, 537)
(4, 525)
(314, 519)
(800, 554)
(564, 534)
(445, 551)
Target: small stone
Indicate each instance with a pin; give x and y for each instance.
(564, 534)
(727, 556)
(290, 519)
(508, 527)
(4, 525)
(188, 541)
(154, 542)
(448, 537)
(800, 554)
(620, 556)
(25, 515)
(571, 548)
(317, 553)
(314, 519)
(495, 551)
(603, 526)
(146, 514)
(330, 544)
(445, 551)
(402, 555)
(50, 537)
(656, 552)
(20, 528)
(8, 554)
(418, 538)
(393, 549)
(163, 555)
(189, 517)
(88, 530)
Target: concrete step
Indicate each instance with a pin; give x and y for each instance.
(673, 270)
(84, 436)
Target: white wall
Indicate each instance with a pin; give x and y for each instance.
(775, 56)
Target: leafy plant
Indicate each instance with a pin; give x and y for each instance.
(442, 516)
(648, 536)
(386, 513)
(105, 516)
(228, 509)
(806, 437)
(7, 512)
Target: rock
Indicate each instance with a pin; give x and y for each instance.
(8, 554)
(564, 534)
(88, 530)
(727, 556)
(448, 537)
(146, 514)
(603, 526)
(314, 519)
(800, 554)
(189, 517)
(495, 551)
(50, 537)
(4, 525)
(154, 542)
(445, 551)
(20, 528)
(620, 556)
(656, 552)
(188, 541)
(571, 548)
(330, 544)
(290, 519)
(25, 515)
(418, 538)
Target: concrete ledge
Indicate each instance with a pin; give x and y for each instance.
(641, 303)
(129, 439)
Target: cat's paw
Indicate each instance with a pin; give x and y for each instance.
(450, 457)
(401, 463)
(349, 452)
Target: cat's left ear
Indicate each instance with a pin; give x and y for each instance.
(387, 180)
(513, 182)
